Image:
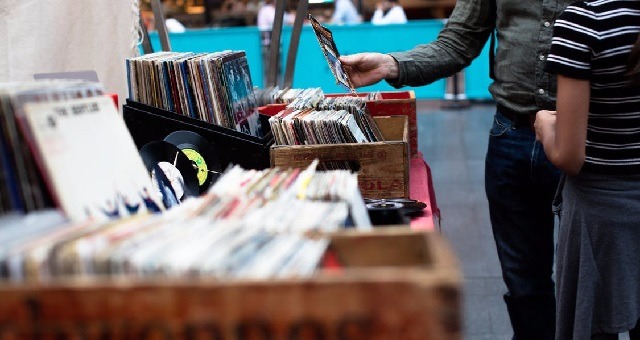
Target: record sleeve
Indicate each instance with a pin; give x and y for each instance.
(330, 51)
(89, 158)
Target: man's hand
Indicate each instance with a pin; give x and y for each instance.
(369, 68)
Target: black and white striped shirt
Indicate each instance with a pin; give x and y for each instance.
(592, 40)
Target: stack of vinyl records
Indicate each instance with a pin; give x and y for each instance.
(251, 225)
(22, 186)
(306, 97)
(310, 95)
(212, 87)
(310, 118)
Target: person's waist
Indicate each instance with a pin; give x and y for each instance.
(520, 120)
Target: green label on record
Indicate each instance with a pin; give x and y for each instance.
(197, 159)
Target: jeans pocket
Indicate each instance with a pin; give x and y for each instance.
(500, 125)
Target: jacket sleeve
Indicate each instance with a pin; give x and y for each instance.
(460, 41)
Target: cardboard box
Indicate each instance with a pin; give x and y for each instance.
(394, 283)
(384, 166)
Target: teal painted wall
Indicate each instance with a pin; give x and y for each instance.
(311, 68)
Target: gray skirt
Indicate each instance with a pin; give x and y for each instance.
(598, 255)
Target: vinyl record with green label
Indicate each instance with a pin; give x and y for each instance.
(202, 154)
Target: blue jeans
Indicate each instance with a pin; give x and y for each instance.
(520, 184)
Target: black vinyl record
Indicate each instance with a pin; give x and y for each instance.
(405, 205)
(175, 164)
(202, 154)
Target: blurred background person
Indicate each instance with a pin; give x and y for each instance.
(389, 12)
(345, 13)
(264, 21)
(234, 6)
(173, 25)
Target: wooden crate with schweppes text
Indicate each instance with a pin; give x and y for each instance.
(383, 166)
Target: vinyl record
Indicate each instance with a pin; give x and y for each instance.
(202, 155)
(383, 212)
(383, 205)
(175, 165)
(407, 206)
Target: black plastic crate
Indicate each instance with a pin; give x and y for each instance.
(147, 123)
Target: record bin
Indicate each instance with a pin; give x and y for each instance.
(384, 166)
(391, 283)
(147, 123)
(392, 103)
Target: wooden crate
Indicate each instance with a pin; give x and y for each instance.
(384, 166)
(394, 284)
(392, 103)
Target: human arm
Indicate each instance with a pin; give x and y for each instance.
(570, 58)
(563, 134)
(458, 44)
(461, 40)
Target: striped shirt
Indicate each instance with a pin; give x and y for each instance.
(592, 40)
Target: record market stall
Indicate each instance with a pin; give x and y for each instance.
(271, 248)
(387, 283)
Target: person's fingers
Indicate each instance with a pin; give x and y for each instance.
(363, 68)
(546, 112)
(351, 60)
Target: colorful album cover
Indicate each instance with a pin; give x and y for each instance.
(330, 51)
(240, 93)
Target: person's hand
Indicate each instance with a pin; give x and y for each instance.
(369, 68)
(544, 124)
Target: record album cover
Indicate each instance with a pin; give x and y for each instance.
(330, 51)
(90, 161)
